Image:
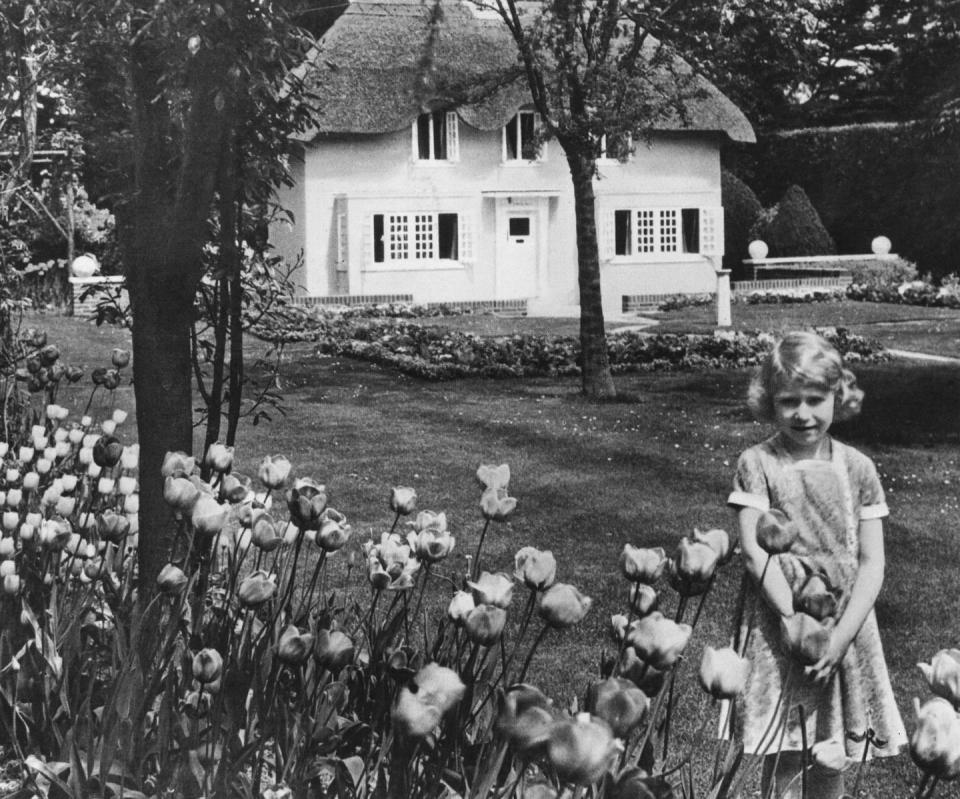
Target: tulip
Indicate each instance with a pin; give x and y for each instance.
(11, 520)
(7, 566)
(641, 564)
(695, 562)
(62, 449)
(538, 570)
(943, 675)
(635, 783)
(581, 750)
(460, 607)
(7, 548)
(31, 480)
(75, 436)
(53, 412)
(256, 588)
(414, 717)
(437, 690)
(119, 416)
(131, 458)
(403, 500)
(431, 545)
(219, 457)
(294, 647)
(208, 516)
(643, 598)
(830, 755)
(105, 486)
(562, 605)
(207, 665)
(492, 589)
(120, 357)
(11, 584)
(26, 532)
(65, 505)
(43, 465)
(524, 717)
(26, 454)
(815, 598)
(306, 502)
(171, 579)
(429, 520)
(112, 526)
(496, 506)
(805, 637)
(273, 471)
(196, 704)
(234, 487)
(775, 532)
(494, 477)
(126, 485)
(619, 703)
(935, 743)
(177, 464)
(723, 673)
(108, 427)
(334, 531)
(14, 497)
(93, 470)
(69, 482)
(13, 476)
(658, 640)
(333, 650)
(264, 531)
(131, 504)
(107, 452)
(484, 624)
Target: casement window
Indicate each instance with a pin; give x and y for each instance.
(403, 238)
(520, 137)
(643, 232)
(616, 148)
(436, 137)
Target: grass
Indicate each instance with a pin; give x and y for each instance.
(645, 469)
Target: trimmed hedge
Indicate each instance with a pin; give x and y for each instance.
(865, 181)
(793, 227)
(740, 211)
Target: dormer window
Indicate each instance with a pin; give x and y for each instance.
(520, 137)
(436, 137)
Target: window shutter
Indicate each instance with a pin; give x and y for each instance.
(368, 240)
(711, 231)
(465, 235)
(342, 245)
(453, 136)
(606, 234)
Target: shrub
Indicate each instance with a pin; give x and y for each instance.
(878, 272)
(794, 227)
(740, 211)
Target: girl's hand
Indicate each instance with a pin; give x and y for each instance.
(823, 670)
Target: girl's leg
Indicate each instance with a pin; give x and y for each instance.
(822, 783)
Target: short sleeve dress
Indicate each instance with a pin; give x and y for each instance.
(826, 499)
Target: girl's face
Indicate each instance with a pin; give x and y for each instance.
(803, 415)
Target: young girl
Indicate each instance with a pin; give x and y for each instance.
(832, 494)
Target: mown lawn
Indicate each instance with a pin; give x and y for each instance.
(645, 469)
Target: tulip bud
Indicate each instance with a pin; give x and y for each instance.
(581, 750)
(131, 504)
(14, 498)
(333, 650)
(460, 607)
(43, 465)
(815, 598)
(334, 532)
(107, 451)
(775, 532)
(935, 743)
(538, 570)
(562, 605)
(105, 486)
(805, 637)
(11, 520)
(293, 646)
(112, 526)
(273, 471)
(494, 477)
(126, 485)
(131, 457)
(120, 357)
(13, 476)
(111, 379)
(219, 457)
(484, 624)
(7, 548)
(180, 493)
(658, 640)
(27, 532)
(256, 588)
(119, 416)
(496, 506)
(643, 564)
(524, 717)
(723, 673)
(171, 579)
(644, 598)
(943, 675)
(11, 584)
(49, 354)
(207, 665)
(26, 454)
(208, 516)
(492, 589)
(7, 566)
(619, 703)
(65, 505)
(177, 464)
(693, 568)
(403, 501)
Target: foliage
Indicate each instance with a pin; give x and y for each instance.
(793, 227)
(677, 301)
(740, 211)
(785, 296)
(876, 272)
(910, 292)
(865, 181)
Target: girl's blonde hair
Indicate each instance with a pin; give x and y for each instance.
(810, 360)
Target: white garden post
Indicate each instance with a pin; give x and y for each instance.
(724, 317)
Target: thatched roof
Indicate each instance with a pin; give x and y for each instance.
(374, 72)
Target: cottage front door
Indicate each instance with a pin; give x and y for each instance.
(519, 255)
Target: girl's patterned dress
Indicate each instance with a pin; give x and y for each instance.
(826, 499)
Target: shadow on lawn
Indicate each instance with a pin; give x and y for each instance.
(907, 403)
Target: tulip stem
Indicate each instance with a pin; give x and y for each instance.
(476, 560)
(533, 648)
(753, 609)
(868, 740)
(804, 752)
(703, 599)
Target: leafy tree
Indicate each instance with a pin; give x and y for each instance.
(189, 102)
(595, 75)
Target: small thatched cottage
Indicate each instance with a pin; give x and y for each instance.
(409, 186)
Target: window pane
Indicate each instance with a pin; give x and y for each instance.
(447, 236)
(669, 235)
(646, 226)
(527, 132)
(440, 135)
(423, 136)
(519, 226)
(622, 233)
(398, 237)
(511, 139)
(691, 229)
(423, 237)
(378, 238)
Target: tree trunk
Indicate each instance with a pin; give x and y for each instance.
(596, 378)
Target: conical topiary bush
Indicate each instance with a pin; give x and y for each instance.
(793, 227)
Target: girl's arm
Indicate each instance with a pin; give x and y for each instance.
(863, 595)
(775, 588)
